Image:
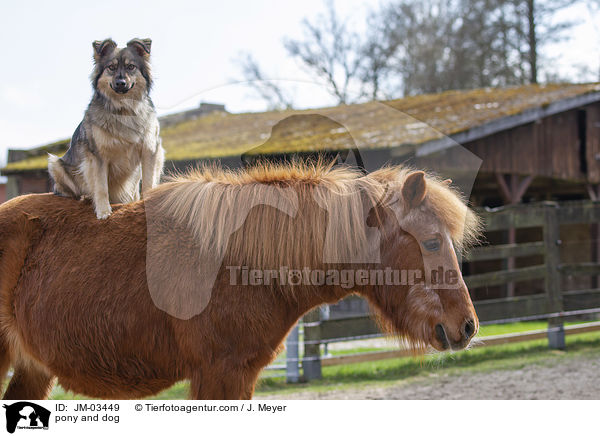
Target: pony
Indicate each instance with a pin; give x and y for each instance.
(122, 308)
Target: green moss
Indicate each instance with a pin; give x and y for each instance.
(37, 158)
(372, 125)
(31, 163)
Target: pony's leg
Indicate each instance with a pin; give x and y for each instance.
(248, 392)
(249, 383)
(209, 388)
(28, 383)
(230, 385)
(4, 362)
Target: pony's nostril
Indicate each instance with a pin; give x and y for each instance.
(440, 334)
(469, 328)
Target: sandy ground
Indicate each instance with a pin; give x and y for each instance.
(566, 379)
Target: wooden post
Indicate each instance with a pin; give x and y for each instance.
(512, 190)
(12, 187)
(556, 332)
(292, 362)
(311, 362)
(594, 193)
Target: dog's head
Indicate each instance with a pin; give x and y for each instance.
(122, 72)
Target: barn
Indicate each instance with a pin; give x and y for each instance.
(535, 142)
(528, 143)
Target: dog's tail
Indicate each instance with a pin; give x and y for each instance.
(63, 183)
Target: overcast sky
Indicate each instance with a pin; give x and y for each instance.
(46, 55)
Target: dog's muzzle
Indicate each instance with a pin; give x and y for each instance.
(120, 87)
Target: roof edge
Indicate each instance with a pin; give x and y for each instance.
(505, 123)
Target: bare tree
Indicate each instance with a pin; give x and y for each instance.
(268, 90)
(434, 45)
(458, 44)
(426, 46)
(377, 51)
(329, 50)
(593, 7)
(533, 24)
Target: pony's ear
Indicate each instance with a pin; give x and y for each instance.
(141, 46)
(102, 48)
(414, 189)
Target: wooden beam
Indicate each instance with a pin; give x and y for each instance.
(502, 277)
(579, 269)
(578, 300)
(497, 309)
(593, 191)
(332, 329)
(503, 251)
(522, 187)
(515, 216)
(504, 189)
(512, 192)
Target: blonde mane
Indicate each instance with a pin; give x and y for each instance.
(207, 201)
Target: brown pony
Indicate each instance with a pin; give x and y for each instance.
(122, 308)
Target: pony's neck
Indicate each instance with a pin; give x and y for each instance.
(308, 299)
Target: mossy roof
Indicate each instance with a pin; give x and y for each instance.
(407, 122)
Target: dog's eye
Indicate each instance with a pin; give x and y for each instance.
(432, 244)
(131, 67)
(112, 67)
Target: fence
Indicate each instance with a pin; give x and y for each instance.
(553, 304)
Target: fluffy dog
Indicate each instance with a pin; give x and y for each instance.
(117, 144)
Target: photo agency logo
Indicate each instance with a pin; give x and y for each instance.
(344, 278)
(321, 225)
(25, 415)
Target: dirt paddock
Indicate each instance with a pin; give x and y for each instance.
(569, 379)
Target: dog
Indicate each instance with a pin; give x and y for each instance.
(117, 144)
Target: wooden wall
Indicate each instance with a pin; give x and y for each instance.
(593, 142)
(549, 147)
(28, 183)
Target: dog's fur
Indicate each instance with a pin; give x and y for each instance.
(118, 142)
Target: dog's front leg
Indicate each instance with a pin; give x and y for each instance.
(152, 165)
(96, 174)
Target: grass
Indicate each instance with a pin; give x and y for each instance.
(392, 371)
(515, 327)
(485, 359)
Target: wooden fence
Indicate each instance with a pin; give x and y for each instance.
(553, 304)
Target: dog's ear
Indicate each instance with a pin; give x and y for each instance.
(141, 46)
(102, 48)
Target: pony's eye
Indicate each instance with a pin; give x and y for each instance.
(131, 67)
(432, 244)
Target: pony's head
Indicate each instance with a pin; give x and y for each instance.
(422, 221)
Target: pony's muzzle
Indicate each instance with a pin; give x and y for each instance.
(468, 330)
(440, 334)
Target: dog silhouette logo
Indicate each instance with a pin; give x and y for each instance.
(26, 415)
